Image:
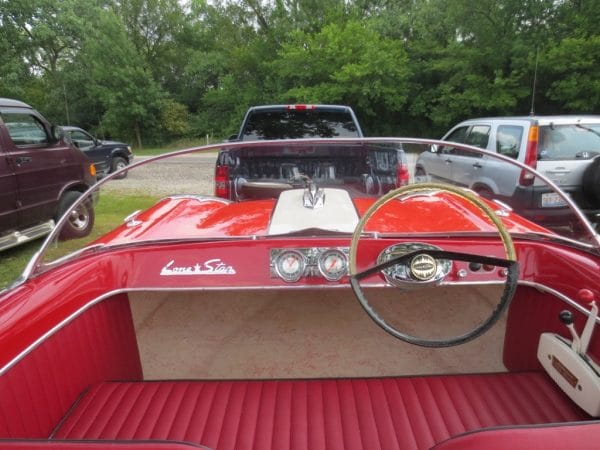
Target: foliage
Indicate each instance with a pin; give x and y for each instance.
(151, 70)
(574, 64)
(174, 118)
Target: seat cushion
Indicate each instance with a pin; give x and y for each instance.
(578, 436)
(386, 413)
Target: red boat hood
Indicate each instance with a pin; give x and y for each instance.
(197, 218)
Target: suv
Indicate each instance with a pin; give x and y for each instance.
(108, 156)
(40, 177)
(566, 149)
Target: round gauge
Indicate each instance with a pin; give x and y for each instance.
(333, 264)
(290, 265)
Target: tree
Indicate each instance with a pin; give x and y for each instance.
(346, 63)
(132, 100)
(573, 67)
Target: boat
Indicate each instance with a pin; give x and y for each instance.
(334, 315)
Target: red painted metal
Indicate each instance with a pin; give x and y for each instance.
(31, 310)
(188, 218)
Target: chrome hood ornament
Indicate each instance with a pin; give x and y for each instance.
(314, 197)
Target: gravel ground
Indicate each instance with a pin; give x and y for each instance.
(189, 174)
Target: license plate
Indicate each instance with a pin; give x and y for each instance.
(552, 200)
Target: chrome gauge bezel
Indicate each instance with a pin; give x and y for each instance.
(314, 263)
(285, 274)
(333, 273)
(401, 275)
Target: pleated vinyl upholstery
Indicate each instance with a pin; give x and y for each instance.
(373, 413)
(37, 392)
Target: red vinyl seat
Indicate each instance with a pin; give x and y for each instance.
(580, 436)
(372, 413)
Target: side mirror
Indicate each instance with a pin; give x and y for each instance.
(56, 133)
(433, 148)
(232, 138)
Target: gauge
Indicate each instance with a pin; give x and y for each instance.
(333, 264)
(290, 265)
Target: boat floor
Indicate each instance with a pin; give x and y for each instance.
(302, 334)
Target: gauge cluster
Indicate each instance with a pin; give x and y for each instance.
(293, 264)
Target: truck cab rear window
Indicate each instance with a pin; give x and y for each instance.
(293, 124)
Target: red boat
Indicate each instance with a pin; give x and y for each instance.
(337, 315)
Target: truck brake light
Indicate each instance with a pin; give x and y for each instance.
(301, 107)
(526, 178)
(402, 176)
(222, 182)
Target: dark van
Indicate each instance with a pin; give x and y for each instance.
(40, 177)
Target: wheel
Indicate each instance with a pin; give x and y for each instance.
(423, 263)
(81, 218)
(484, 192)
(118, 163)
(420, 174)
(591, 183)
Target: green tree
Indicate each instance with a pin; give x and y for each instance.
(41, 36)
(118, 77)
(573, 66)
(346, 63)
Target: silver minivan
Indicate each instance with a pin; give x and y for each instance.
(566, 149)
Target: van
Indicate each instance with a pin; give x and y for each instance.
(41, 176)
(566, 149)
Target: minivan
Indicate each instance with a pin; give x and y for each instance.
(41, 176)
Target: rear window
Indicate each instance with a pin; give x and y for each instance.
(294, 124)
(576, 141)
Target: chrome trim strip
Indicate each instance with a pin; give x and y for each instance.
(97, 300)
(564, 298)
(200, 198)
(132, 215)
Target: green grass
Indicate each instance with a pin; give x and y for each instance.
(110, 211)
(177, 145)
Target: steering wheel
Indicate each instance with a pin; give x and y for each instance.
(423, 263)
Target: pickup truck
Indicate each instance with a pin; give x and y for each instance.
(107, 156)
(263, 171)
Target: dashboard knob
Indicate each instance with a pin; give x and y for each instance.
(566, 317)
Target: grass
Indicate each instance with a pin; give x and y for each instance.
(110, 211)
(177, 145)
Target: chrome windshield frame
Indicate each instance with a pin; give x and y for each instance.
(36, 265)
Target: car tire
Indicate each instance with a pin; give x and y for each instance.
(591, 183)
(484, 192)
(118, 163)
(81, 219)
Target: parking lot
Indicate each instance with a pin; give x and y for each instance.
(189, 174)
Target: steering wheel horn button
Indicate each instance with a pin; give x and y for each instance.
(423, 267)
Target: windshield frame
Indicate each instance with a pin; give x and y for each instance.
(36, 265)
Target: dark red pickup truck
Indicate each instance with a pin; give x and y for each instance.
(264, 171)
(40, 177)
